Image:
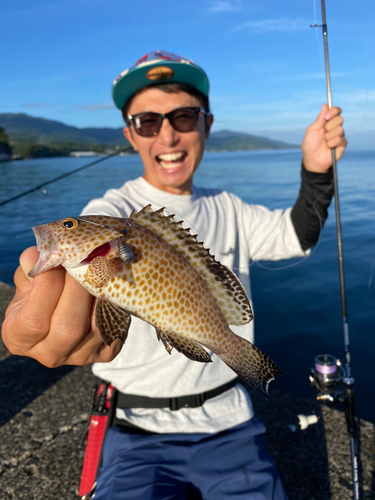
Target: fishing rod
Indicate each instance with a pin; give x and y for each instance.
(67, 174)
(328, 372)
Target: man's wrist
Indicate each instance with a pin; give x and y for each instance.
(316, 177)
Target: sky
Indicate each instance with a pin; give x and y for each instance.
(264, 61)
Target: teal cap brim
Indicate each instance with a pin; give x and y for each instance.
(135, 79)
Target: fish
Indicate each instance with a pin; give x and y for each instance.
(151, 267)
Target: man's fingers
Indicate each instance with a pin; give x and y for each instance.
(334, 123)
(334, 130)
(325, 117)
(43, 299)
(74, 338)
(95, 350)
(51, 318)
(337, 133)
(331, 113)
(337, 142)
(33, 304)
(72, 318)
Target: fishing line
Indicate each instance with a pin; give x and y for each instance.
(128, 224)
(371, 274)
(67, 174)
(318, 40)
(300, 260)
(40, 186)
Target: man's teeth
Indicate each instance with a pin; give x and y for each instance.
(171, 156)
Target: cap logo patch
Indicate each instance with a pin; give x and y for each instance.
(159, 73)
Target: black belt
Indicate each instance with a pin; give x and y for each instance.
(191, 401)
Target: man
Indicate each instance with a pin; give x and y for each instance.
(210, 444)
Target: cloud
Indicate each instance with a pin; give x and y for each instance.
(308, 76)
(357, 96)
(225, 6)
(93, 107)
(38, 105)
(282, 25)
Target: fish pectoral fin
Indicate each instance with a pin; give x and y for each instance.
(189, 347)
(112, 321)
(100, 271)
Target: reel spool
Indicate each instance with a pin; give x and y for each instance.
(326, 377)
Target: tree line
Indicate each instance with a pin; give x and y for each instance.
(23, 149)
(4, 143)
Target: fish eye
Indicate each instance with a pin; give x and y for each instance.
(70, 223)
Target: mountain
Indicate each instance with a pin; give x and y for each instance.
(22, 128)
(239, 141)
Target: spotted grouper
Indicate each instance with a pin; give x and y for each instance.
(149, 266)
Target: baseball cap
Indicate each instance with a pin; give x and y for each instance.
(156, 67)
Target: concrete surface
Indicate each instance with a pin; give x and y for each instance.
(44, 416)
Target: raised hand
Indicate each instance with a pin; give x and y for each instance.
(321, 137)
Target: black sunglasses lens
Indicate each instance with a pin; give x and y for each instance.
(147, 124)
(184, 120)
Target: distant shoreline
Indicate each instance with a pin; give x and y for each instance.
(92, 154)
(35, 137)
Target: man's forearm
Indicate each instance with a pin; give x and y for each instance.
(311, 208)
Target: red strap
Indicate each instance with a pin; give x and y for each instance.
(98, 424)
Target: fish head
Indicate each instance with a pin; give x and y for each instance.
(71, 241)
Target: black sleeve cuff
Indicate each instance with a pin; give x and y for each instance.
(311, 208)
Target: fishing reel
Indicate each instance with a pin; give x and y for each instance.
(326, 378)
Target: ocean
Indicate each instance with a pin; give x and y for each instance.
(297, 302)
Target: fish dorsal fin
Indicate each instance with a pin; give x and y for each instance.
(222, 282)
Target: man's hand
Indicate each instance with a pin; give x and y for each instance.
(321, 137)
(51, 319)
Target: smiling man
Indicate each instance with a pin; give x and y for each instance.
(182, 429)
(170, 157)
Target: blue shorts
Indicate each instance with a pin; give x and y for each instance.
(232, 464)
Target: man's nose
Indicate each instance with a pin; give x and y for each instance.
(167, 135)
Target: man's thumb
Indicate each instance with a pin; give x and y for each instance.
(28, 259)
(321, 118)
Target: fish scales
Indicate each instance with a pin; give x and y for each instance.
(227, 289)
(167, 278)
(169, 293)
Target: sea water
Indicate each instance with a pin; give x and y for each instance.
(296, 302)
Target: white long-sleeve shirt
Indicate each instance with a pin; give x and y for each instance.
(235, 232)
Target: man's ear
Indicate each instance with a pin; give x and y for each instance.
(129, 137)
(209, 122)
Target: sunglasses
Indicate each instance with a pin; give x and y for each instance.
(181, 119)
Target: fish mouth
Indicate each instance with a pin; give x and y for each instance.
(49, 256)
(100, 251)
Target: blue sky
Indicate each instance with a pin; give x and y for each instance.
(264, 62)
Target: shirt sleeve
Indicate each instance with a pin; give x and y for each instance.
(270, 234)
(111, 204)
(311, 208)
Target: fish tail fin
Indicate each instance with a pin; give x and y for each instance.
(250, 364)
